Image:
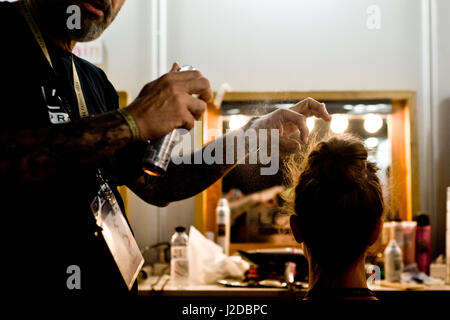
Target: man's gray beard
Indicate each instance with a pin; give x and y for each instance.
(90, 30)
(54, 17)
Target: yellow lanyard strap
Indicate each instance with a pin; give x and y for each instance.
(26, 12)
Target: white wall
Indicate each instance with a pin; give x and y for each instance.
(298, 45)
(441, 116)
(128, 47)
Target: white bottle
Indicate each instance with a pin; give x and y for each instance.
(223, 225)
(179, 264)
(393, 262)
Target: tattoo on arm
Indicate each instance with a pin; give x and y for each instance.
(32, 155)
(185, 180)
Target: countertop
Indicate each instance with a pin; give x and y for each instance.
(165, 288)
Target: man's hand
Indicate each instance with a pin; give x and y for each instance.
(186, 180)
(167, 103)
(292, 120)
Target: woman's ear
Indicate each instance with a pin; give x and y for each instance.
(295, 226)
(376, 232)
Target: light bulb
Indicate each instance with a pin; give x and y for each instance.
(373, 123)
(310, 122)
(237, 122)
(371, 142)
(339, 123)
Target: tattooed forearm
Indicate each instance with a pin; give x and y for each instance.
(33, 155)
(186, 180)
(240, 206)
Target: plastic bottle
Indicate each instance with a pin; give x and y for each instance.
(393, 262)
(397, 233)
(223, 225)
(409, 242)
(423, 240)
(179, 263)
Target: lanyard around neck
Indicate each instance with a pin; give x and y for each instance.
(26, 12)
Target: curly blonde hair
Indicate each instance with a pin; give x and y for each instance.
(337, 196)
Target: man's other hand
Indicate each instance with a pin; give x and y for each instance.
(292, 120)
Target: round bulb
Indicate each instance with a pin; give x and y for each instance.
(339, 123)
(310, 122)
(371, 142)
(237, 122)
(373, 123)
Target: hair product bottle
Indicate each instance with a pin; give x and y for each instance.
(423, 239)
(409, 242)
(223, 225)
(393, 262)
(179, 263)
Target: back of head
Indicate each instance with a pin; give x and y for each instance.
(338, 200)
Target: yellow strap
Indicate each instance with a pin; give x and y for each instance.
(26, 12)
(82, 107)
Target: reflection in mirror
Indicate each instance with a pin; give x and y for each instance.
(256, 206)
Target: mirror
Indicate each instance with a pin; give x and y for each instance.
(381, 119)
(255, 202)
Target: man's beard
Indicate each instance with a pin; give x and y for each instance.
(54, 17)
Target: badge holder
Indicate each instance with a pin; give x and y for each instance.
(117, 233)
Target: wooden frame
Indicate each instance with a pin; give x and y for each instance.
(403, 136)
(124, 101)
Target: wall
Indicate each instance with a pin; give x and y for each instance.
(298, 45)
(441, 116)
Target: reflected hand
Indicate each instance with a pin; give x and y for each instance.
(269, 194)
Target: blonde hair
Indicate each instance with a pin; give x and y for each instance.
(335, 192)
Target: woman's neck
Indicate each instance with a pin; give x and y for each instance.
(352, 277)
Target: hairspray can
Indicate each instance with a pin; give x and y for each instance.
(423, 239)
(158, 153)
(223, 225)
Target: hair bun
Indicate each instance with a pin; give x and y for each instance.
(339, 160)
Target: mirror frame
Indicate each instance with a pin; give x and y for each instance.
(404, 173)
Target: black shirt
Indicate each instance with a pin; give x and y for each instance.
(48, 226)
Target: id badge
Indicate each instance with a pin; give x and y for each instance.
(117, 234)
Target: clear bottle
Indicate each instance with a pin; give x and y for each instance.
(179, 263)
(393, 262)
